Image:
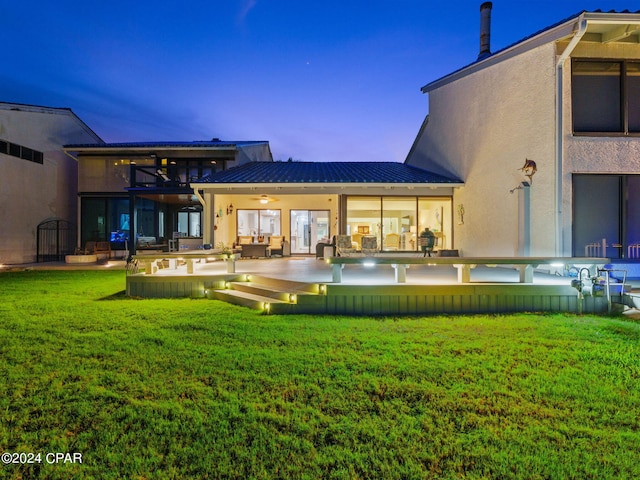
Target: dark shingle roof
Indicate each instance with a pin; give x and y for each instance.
(327, 172)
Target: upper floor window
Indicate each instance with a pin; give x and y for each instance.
(20, 151)
(605, 96)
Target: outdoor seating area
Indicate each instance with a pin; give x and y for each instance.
(249, 246)
(150, 264)
(91, 253)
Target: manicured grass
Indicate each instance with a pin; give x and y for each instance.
(154, 389)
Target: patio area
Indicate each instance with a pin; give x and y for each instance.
(312, 270)
(305, 285)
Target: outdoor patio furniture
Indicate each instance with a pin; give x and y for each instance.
(392, 241)
(320, 248)
(369, 245)
(255, 250)
(87, 250)
(357, 239)
(344, 246)
(245, 240)
(276, 245)
(102, 247)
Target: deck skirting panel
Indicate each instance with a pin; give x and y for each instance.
(394, 299)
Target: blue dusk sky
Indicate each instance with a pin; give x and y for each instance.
(320, 80)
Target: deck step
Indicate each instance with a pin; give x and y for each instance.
(290, 286)
(262, 290)
(281, 296)
(245, 299)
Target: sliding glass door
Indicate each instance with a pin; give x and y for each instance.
(307, 228)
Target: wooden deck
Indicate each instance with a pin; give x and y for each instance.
(464, 265)
(429, 290)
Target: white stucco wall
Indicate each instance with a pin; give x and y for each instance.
(29, 192)
(481, 128)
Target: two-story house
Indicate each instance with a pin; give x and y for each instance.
(545, 134)
(138, 195)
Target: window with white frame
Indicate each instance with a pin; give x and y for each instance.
(265, 222)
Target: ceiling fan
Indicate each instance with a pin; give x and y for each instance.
(264, 199)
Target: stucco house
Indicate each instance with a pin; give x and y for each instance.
(545, 134)
(39, 183)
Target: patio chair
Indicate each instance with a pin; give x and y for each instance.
(392, 241)
(322, 244)
(344, 247)
(244, 240)
(357, 239)
(276, 245)
(88, 249)
(369, 245)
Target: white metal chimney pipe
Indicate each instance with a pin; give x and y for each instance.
(485, 30)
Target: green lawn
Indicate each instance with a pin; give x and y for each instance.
(154, 389)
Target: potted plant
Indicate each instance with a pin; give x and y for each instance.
(224, 250)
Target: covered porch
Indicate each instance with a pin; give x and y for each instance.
(308, 203)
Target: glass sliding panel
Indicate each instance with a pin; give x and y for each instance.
(436, 214)
(596, 212)
(183, 223)
(194, 224)
(269, 223)
(308, 227)
(633, 96)
(596, 96)
(300, 234)
(93, 214)
(633, 210)
(247, 222)
(398, 223)
(364, 217)
(319, 226)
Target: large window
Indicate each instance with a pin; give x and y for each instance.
(258, 222)
(397, 221)
(606, 207)
(189, 222)
(104, 219)
(605, 96)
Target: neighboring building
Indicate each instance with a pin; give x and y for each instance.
(142, 191)
(38, 186)
(545, 135)
(307, 202)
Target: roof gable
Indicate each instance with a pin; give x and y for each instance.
(601, 23)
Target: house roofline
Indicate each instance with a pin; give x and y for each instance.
(50, 110)
(563, 29)
(324, 185)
